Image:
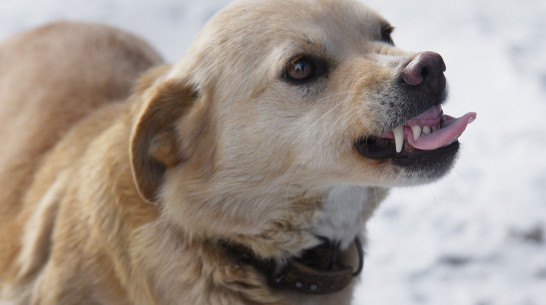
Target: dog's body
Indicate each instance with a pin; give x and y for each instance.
(118, 191)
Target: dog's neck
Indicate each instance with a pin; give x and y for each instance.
(338, 221)
(340, 218)
(203, 253)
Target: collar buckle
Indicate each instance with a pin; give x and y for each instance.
(318, 271)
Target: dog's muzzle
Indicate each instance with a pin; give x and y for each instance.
(318, 271)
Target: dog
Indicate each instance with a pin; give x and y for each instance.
(243, 174)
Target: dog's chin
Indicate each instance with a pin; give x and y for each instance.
(424, 165)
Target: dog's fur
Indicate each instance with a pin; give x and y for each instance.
(118, 191)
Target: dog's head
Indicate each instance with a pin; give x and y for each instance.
(279, 100)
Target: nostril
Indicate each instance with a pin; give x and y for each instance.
(426, 70)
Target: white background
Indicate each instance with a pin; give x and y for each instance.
(477, 236)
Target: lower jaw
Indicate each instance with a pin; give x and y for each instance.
(440, 159)
(433, 164)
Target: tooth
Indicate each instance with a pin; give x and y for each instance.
(399, 137)
(434, 128)
(416, 132)
(426, 130)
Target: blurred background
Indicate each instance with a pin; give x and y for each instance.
(478, 236)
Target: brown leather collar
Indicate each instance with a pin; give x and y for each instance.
(317, 271)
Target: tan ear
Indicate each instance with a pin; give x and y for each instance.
(154, 140)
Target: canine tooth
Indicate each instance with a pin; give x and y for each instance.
(398, 137)
(426, 130)
(416, 132)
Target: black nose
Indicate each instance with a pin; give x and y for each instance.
(426, 72)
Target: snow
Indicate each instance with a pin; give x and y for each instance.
(477, 236)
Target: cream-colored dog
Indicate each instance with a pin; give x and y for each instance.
(244, 174)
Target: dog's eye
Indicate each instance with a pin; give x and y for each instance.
(301, 69)
(386, 32)
(304, 69)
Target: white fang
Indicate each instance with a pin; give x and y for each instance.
(399, 137)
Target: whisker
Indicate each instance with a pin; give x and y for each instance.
(336, 94)
(329, 111)
(323, 116)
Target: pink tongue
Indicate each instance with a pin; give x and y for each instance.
(449, 133)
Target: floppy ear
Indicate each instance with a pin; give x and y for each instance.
(154, 140)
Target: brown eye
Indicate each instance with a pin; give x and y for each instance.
(301, 69)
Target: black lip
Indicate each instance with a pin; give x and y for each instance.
(435, 162)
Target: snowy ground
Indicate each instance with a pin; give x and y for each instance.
(476, 237)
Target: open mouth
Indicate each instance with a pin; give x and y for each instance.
(431, 133)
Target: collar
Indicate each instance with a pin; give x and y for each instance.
(318, 271)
